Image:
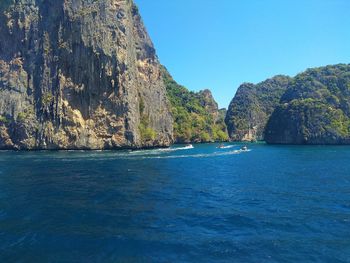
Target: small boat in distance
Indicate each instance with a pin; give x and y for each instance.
(189, 146)
(221, 146)
(244, 148)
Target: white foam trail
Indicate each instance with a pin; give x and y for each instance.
(200, 155)
(143, 154)
(228, 147)
(152, 156)
(188, 147)
(162, 150)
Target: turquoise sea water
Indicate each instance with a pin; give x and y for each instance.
(271, 204)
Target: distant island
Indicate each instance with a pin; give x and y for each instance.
(86, 76)
(311, 108)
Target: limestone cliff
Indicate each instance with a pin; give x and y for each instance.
(310, 108)
(252, 106)
(315, 109)
(79, 74)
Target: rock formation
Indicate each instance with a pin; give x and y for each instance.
(315, 109)
(252, 106)
(311, 108)
(79, 74)
(196, 115)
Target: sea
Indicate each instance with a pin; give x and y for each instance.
(194, 203)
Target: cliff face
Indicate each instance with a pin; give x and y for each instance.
(314, 110)
(311, 108)
(196, 115)
(252, 106)
(79, 74)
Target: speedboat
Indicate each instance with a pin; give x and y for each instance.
(244, 148)
(221, 146)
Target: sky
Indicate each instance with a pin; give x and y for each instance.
(220, 44)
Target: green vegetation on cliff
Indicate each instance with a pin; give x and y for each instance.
(311, 108)
(252, 106)
(196, 115)
(146, 132)
(3, 119)
(315, 109)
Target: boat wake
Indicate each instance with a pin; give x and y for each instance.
(199, 155)
(163, 150)
(187, 147)
(227, 147)
(169, 153)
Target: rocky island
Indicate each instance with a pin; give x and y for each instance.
(252, 107)
(77, 74)
(85, 75)
(311, 108)
(315, 109)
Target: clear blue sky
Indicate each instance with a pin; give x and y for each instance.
(219, 44)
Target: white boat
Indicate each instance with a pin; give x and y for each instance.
(244, 148)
